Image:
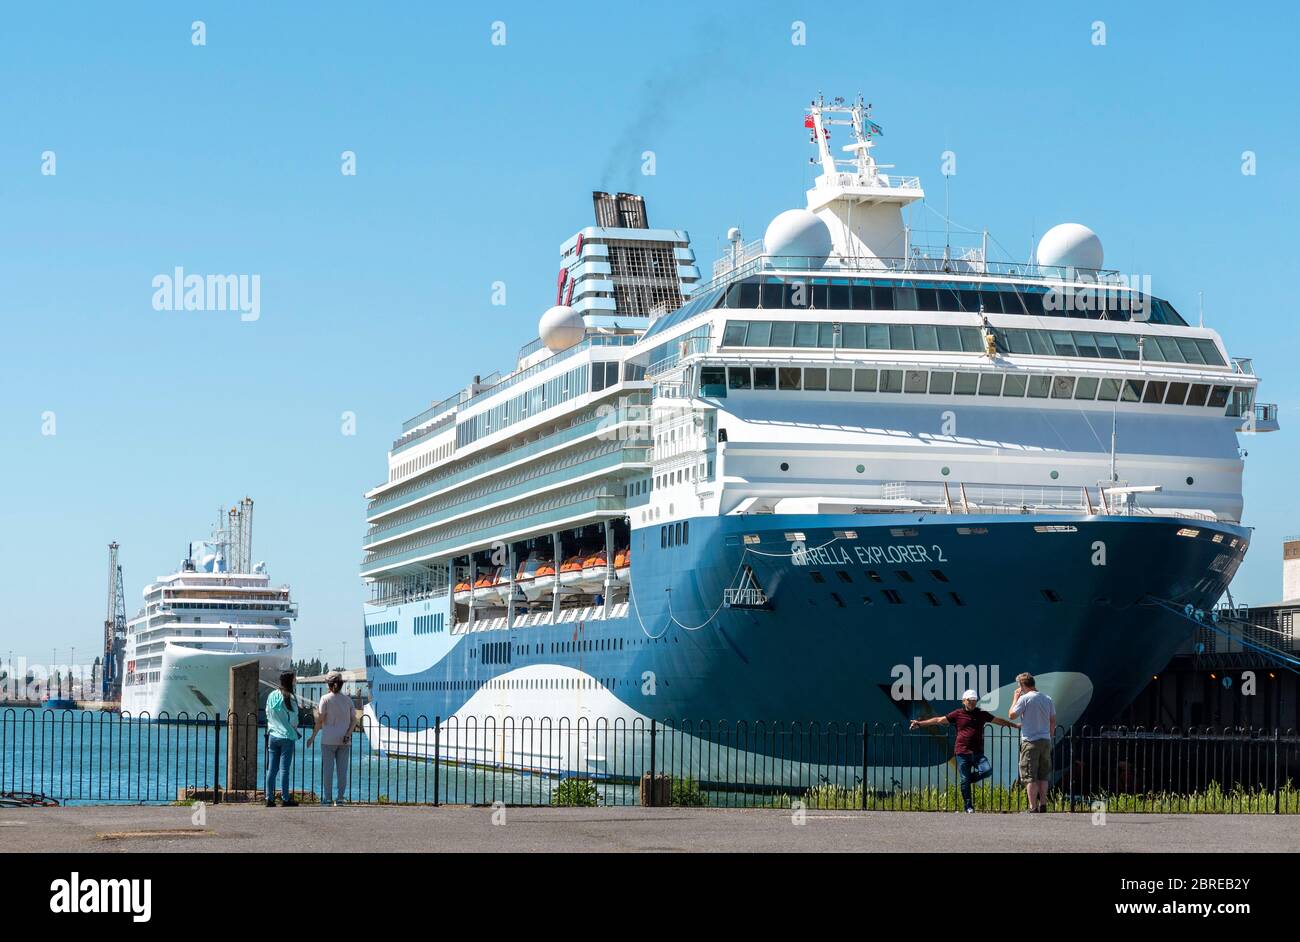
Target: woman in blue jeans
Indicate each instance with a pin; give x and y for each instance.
(281, 736)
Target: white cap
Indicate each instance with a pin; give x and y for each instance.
(970, 695)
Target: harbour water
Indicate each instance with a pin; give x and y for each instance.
(84, 758)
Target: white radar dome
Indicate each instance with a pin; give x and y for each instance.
(560, 328)
(798, 232)
(1070, 245)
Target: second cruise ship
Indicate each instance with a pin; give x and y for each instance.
(843, 465)
(218, 610)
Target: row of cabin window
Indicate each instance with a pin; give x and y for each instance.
(942, 338)
(820, 294)
(685, 475)
(675, 534)
(381, 660)
(428, 624)
(716, 381)
(380, 629)
(600, 375)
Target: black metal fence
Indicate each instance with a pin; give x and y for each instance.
(92, 758)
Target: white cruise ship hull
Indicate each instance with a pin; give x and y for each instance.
(196, 683)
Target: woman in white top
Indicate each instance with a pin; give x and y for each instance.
(335, 718)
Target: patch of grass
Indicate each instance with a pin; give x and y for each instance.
(686, 794)
(575, 793)
(829, 796)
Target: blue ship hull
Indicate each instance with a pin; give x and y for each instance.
(850, 626)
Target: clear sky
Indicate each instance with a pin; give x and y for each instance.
(474, 162)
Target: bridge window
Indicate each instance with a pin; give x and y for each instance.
(1086, 388)
(1155, 392)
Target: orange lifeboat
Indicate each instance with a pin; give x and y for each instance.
(571, 572)
(593, 572)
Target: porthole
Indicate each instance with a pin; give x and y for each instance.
(785, 466)
(862, 468)
(945, 471)
(1055, 475)
(1191, 481)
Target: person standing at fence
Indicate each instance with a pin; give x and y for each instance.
(968, 750)
(1037, 715)
(335, 718)
(281, 737)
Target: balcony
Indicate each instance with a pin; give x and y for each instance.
(601, 424)
(601, 465)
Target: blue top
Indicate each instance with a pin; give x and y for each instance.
(280, 720)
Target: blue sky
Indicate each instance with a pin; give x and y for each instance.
(474, 162)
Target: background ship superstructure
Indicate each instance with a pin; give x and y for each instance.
(218, 610)
(844, 453)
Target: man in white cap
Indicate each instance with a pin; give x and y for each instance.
(969, 748)
(335, 717)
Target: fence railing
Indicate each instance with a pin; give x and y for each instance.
(92, 758)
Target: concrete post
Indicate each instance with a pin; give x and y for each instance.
(241, 728)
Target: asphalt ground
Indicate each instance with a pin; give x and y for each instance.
(315, 829)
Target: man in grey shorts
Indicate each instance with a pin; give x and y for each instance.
(1037, 715)
(335, 717)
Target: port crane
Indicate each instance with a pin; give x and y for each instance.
(114, 630)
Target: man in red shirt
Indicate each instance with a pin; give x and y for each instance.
(969, 749)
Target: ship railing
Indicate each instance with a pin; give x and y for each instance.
(888, 181)
(630, 407)
(404, 596)
(921, 259)
(685, 348)
(541, 617)
(434, 410)
(894, 497)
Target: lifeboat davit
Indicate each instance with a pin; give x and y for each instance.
(526, 577)
(623, 564)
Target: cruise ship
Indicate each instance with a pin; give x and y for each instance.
(218, 610)
(843, 469)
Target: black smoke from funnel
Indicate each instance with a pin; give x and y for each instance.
(661, 99)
